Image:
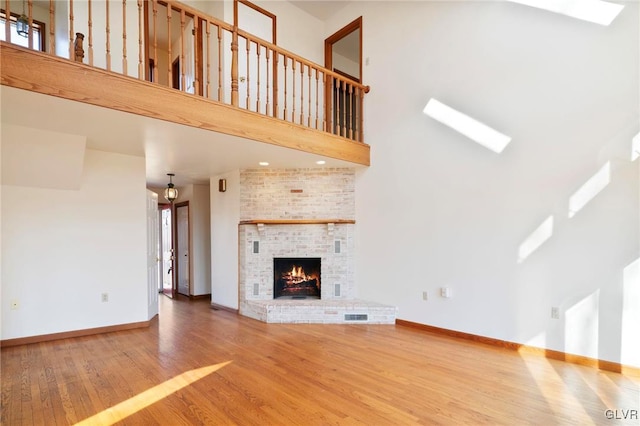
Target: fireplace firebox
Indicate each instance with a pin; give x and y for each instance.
(296, 278)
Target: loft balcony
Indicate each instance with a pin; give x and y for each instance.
(164, 60)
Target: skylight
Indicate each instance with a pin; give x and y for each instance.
(471, 128)
(596, 11)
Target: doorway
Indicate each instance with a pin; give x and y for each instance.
(261, 23)
(343, 55)
(166, 250)
(182, 248)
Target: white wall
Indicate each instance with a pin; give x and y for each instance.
(199, 209)
(118, 45)
(199, 236)
(61, 249)
(225, 216)
(448, 212)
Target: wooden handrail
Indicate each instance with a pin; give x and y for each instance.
(277, 82)
(297, 221)
(300, 59)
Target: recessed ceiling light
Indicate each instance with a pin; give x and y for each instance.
(263, 163)
(471, 128)
(321, 162)
(596, 11)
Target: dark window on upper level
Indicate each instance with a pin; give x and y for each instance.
(38, 32)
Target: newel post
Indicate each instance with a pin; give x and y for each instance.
(78, 48)
(234, 67)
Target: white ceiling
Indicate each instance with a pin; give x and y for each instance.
(192, 154)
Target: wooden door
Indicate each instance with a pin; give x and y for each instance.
(343, 55)
(261, 23)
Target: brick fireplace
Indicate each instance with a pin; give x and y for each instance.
(301, 214)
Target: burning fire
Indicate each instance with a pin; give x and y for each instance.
(298, 272)
(297, 276)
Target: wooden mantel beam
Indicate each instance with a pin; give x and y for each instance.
(38, 72)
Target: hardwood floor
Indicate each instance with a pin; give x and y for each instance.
(297, 374)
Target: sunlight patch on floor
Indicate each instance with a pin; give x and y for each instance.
(150, 396)
(559, 398)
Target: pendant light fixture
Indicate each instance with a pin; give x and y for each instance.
(170, 192)
(22, 24)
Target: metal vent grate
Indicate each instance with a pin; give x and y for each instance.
(356, 317)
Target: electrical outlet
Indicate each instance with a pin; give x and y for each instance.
(425, 295)
(15, 304)
(555, 312)
(446, 292)
(105, 297)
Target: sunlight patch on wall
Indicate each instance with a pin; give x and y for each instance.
(635, 147)
(630, 353)
(470, 127)
(533, 242)
(581, 326)
(590, 189)
(538, 341)
(150, 396)
(596, 11)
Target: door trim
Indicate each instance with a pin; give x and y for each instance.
(174, 241)
(274, 40)
(354, 25)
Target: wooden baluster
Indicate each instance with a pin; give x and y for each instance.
(326, 120)
(124, 37)
(72, 53)
(309, 92)
(267, 55)
(234, 67)
(108, 33)
(258, 47)
(343, 109)
(359, 115)
(285, 88)
(350, 125)
(247, 45)
(293, 85)
(169, 56)
(276, 62)
(317, 87)
(90, 23)
(183, 65)
(30, 17)
(301, 93)
(52, 26)
(208, 76)
(220, 98)
(197, 51)
(140, 48)
(7, 28)
(155, 42)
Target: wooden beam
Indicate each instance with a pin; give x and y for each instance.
(49, 75)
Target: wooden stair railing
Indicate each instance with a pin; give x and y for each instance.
(213, 59)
